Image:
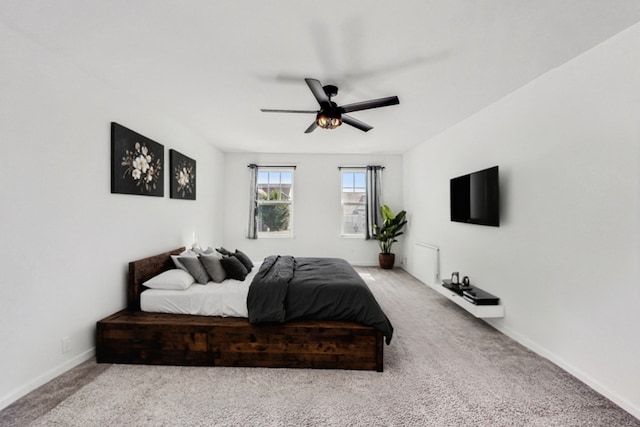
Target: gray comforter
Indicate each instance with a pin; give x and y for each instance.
(287, 288)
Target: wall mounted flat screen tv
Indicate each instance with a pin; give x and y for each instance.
(475, 198)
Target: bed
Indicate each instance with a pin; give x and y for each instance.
(267, 338)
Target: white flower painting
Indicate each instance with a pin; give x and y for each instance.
(183, 176)
(137, 163)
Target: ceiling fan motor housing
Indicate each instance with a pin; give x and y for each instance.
(330, 90)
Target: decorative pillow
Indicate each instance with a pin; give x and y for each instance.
(200, 251)
(244, 259)
(177, 262)
(234, 268)
(195, 268)
(223, 251)
(212, 263)
(170, 279)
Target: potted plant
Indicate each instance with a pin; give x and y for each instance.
(387, 233)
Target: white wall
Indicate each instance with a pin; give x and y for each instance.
(65, 240)
(565, 259)
(317, 208)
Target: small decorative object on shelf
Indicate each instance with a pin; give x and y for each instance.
(455, 285)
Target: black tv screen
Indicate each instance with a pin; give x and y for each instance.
(475, 198)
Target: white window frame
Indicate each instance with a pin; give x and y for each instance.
(288, 234)
(361, 170)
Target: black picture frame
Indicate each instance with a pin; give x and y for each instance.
(137, 163)
(182, 176)
(455, 277)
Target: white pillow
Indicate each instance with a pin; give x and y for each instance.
(176, 279)
(200, 251)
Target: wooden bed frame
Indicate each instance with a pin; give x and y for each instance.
(133, 336)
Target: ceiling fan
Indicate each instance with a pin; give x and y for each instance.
(330, 115)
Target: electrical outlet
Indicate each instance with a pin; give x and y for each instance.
(66, 344)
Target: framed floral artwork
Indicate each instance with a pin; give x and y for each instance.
(183, 176)
(137, 163)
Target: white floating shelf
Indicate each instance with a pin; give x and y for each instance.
(480, 311)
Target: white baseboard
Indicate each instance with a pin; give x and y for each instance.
(46, 377)
(631, 408)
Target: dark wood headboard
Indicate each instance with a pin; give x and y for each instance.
(144, 269)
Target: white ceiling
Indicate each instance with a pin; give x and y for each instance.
(211, 65)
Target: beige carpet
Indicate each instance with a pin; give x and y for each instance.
(443, 368)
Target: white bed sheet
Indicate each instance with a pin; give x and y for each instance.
(226, 299)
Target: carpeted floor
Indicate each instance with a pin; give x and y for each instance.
(443, 368)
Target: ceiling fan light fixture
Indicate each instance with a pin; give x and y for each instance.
(326, 122)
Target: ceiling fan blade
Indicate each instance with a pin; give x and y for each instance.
(311, 128)
(267, 110)
(356, 123)
(318, 92)
(372, 103)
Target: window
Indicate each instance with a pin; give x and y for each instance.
(274, 202)
(354, 202)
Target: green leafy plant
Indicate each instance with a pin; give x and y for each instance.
(390, 229)
(274, 217)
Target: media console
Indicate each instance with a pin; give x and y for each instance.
(485, 306)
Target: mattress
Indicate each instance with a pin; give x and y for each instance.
(225, 299)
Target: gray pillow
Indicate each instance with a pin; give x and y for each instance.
(234, 268)
(195, 268)
(176, 261)
(223, 251)
(212, 264)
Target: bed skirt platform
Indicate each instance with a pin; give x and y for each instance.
(172, 339)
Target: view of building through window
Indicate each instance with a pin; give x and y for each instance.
(275, 202)
(354, 199)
